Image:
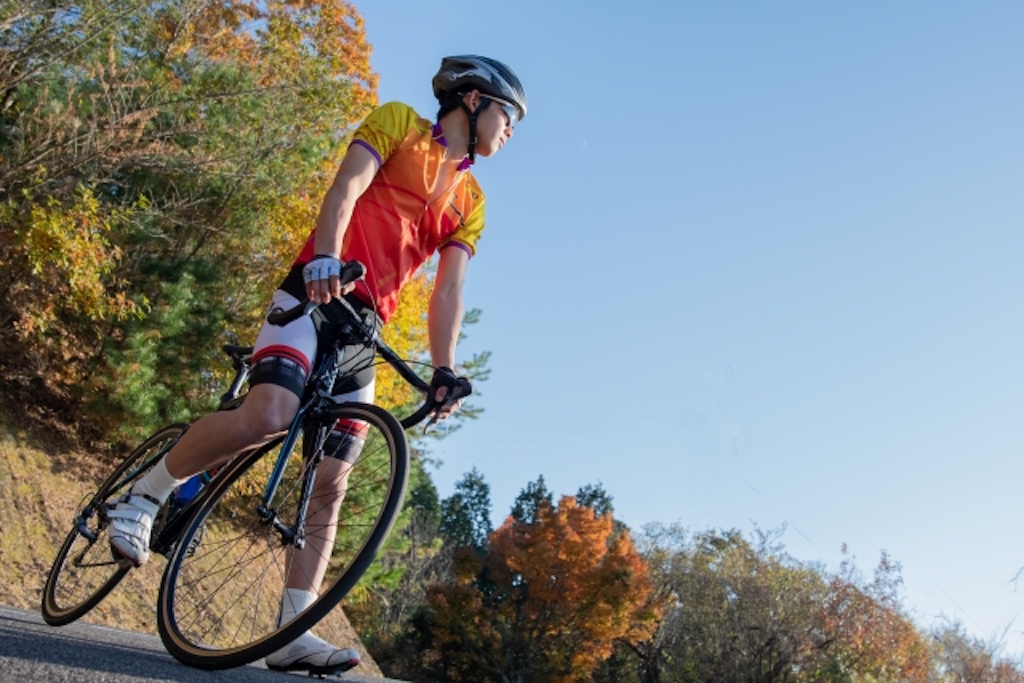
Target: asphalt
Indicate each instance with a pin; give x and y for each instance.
(32, 651)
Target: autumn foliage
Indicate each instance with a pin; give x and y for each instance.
(866, 629)
(744, 610)
(561, 593)
(546, 602)
(160, 163)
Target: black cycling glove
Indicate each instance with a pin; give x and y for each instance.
(458, 387)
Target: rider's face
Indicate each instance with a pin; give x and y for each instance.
(493, 128)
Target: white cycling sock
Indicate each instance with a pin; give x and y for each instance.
(293, 602)
(158, 482)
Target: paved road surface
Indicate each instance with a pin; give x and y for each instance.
(32, 651)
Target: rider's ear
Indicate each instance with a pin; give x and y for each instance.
(472, 99)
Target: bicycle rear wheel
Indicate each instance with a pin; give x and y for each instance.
(86, 569)
(221, 590)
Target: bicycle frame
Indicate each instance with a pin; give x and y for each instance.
(317, 399)
(78, 581)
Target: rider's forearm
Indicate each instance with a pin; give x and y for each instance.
(445, 318)
(444, 324)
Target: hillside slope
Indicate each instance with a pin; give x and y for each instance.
(41, 482)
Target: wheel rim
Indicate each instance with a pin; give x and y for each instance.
(85, 569)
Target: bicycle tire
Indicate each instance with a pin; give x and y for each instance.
(221, 590)
(86, 569)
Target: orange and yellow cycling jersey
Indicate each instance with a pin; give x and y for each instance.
(417, 203)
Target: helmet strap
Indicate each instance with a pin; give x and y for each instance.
(472, 115)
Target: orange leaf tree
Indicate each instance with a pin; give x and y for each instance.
(545, 603)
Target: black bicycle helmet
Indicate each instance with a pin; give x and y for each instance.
(458, 75)
(462, 74)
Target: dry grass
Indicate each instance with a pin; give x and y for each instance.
(42, 480)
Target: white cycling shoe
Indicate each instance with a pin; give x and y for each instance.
(312, 654)
(131, 522)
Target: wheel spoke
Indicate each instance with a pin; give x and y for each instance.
(85, 570)
(219, 607)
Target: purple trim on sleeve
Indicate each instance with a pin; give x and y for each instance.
(460, 245)
(367, 145)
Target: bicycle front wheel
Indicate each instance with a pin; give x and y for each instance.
(222, 588)
(85, 569)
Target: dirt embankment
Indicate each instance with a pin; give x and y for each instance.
(42, 480)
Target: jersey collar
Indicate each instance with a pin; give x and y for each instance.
(438, 134)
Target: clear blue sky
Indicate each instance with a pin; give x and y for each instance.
(756, 263)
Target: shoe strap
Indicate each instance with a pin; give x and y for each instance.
(145, 496)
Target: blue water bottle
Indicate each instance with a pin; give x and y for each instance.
(187, 491)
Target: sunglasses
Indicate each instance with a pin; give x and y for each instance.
(511, 113)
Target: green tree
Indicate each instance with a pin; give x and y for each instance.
(742, 610)
(595, 497)
(738, 611)
(395, 585)
(530, 500)
(466, 514)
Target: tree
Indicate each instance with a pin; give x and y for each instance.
(546, 602)
(466, 514)
(746, 611)
(530, 501)
(394, 587)
(596, 498)
(146, 152)
(865, 629)
(417, 554)
(959, 658)
(739, 611)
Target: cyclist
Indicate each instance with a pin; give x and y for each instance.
(402, 192)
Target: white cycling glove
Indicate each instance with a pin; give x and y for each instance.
(321, 268)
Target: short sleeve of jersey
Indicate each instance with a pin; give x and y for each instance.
(469, 232)
(385, 128)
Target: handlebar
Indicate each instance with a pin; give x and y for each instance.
(350, 272)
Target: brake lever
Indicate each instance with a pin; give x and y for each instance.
(432, 421)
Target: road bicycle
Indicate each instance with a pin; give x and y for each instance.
(227, 534)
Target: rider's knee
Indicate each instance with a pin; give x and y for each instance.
(265, 426)
(268, 410)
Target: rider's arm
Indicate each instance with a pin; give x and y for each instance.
(445, 318)
(354, 176)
